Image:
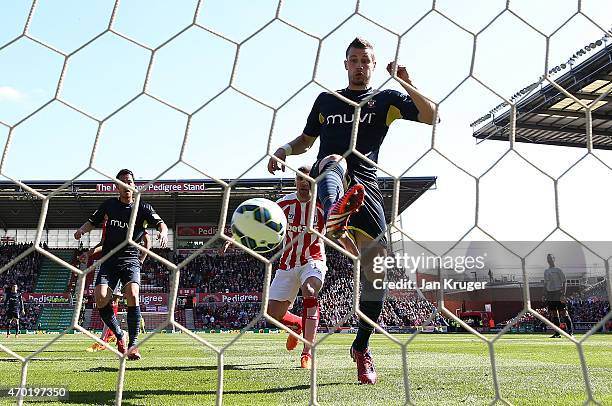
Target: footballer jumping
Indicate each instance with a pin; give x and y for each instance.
(331, 120)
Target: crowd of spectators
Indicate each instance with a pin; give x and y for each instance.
(155, 276)
(233, 272)
(226, 315)
(335, 297)
(409, 310)
(588, 306)
(23, 273)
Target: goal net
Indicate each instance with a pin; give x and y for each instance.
(428, 149)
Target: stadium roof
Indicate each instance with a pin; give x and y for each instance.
(548, 116)
(71, 207)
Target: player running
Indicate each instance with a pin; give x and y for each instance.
(124, 265)
(331, 119)
(13, 304)
(92, 255)
(301, 267)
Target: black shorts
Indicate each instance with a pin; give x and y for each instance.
(111, 272)
(10, 315)
(553, 301)
(370, 219)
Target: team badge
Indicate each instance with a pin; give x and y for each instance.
(371, 103)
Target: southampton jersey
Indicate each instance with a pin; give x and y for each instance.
(307, 247)
(118, 219)
(13, 302)
(331, 119)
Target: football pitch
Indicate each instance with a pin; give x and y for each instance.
(443, 370)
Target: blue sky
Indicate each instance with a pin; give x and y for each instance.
(231, 132)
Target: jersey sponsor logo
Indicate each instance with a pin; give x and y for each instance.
(117, 223)
(345, 118)
(296, 229)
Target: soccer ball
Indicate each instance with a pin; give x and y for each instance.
(259, 224)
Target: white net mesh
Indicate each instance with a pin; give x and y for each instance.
(398, 32)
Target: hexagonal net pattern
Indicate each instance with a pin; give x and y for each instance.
(394, 228)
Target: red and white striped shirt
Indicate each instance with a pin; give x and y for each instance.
(308, 246)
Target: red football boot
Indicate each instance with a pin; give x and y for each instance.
(121, 345)
(366, 373)
(133, 354)
(338, 217)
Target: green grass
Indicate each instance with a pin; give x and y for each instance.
(443, 370)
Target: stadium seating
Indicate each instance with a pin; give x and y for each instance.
(54, 318)
(54, 278)
(179, 316)
(25, 272)
(96, 322)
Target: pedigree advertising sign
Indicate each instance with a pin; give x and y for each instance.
(156, 187)
(198, 230)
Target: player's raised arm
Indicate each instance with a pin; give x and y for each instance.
(94, 220)
(147, 243)
(84, 229)
(295, 147)
(425, 106)
(163, 235)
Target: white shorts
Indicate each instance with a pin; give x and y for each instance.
(287, 283)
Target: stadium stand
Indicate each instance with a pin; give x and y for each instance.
(232, 272)
(238, 272)
(24, 273)
(55, 318)
(154, 275)
(27, 322)
(216, 316)
(588, 306)
(54, 278)
(547, 116)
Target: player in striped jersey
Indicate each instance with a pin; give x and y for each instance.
(301, 267)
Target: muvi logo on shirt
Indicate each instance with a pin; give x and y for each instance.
(118, 223)
(345, 118)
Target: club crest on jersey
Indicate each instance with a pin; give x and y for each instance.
(371, 103)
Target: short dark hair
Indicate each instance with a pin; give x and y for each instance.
(359, 43)
(124, 172)
(305, 169)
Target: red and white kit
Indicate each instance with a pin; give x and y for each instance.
(303, 258)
